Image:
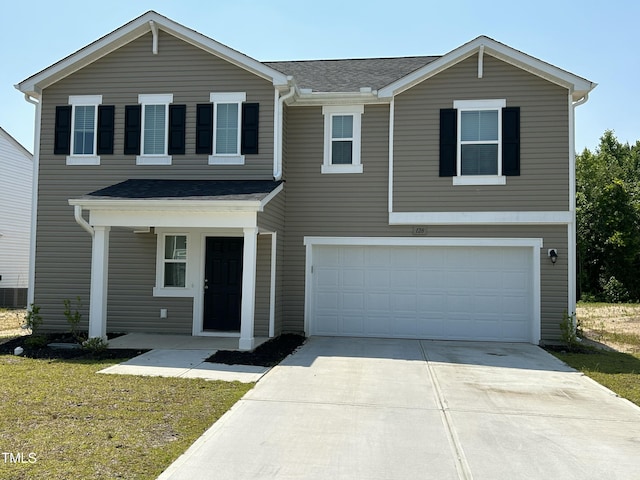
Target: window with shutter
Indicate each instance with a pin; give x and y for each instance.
(79, 135)
(154, 129)
(227, 128)
(479, 142)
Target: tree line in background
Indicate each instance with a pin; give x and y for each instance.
(608, 221)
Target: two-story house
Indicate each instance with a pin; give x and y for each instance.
(185, 187)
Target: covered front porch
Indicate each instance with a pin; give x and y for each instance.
(152, 341)
(206, 250)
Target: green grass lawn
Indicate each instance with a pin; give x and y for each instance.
(617, 326)
(64, 421)
(617, 371)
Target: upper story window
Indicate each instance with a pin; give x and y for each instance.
(480, 142)
(83, 130)
(342, 133)
(227, 128)
(84, 127)
(154, 129)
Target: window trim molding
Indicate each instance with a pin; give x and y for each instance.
(159, 290)
(154, 99)
(217, 98)
(84, 101)
(477, 105)
(356, 111)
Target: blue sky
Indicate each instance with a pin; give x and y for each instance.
(595, 40)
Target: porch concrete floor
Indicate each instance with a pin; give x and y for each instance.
(149, 341)
(182, 356)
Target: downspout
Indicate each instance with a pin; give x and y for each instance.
(34, 200)
(572, 227)
(277, 166)
(77, 213)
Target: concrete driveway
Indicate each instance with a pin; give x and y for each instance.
(352, 408)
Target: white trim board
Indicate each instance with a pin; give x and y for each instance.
(480, 218)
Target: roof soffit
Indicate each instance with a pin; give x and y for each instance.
(130, 32)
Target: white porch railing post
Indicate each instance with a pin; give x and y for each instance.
(99, 280)
(249, 257)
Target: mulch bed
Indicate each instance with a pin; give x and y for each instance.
(268, 354)
(48, 352)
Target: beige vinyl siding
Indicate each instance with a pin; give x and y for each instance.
(63, 254)
(355, 205)
(543, 184)
(263, 282)
(272, 220)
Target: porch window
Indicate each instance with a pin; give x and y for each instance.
(175, 261)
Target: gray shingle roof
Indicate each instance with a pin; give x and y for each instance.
(350, 75)
(255, 190)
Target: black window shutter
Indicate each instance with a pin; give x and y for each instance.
(250, 120)
(105, 129)
(177, 114)
(448, 142)
(62, 137)
(511, 141)
(132, 126)
(204, 128)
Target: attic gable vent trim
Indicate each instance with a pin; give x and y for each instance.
(480, 60)
(154, 31)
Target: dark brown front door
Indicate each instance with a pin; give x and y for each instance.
(223, 283)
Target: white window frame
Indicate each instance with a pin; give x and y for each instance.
(329, 112)
(156, 159)
(477, 105)
(224, 98)
(84, 101)
(160, 290)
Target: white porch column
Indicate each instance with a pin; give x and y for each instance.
(99, 277)
(249, 257)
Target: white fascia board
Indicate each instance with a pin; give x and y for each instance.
(131, 31)
(168, 205)
(480, 218)
(577, 85)
(426, 241)
(172, 219)
(270, 197)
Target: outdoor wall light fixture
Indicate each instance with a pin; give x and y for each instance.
(553, 255)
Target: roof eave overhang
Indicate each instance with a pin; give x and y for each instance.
(578, 86)
(168, 204)
(35, 84)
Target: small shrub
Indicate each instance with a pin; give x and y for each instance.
(95, 345)
(74, 318)
(614, 291)
(568, 330)
(36, 341)
(33, 319)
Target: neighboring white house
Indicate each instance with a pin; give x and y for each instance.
(16, 173)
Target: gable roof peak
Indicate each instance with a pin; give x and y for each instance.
(132, 30)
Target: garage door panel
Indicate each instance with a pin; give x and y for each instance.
(478, 293)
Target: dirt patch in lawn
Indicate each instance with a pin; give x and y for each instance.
(11, 322)
(615, 325)
(266, 355)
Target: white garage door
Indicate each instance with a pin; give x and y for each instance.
(461, 293)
